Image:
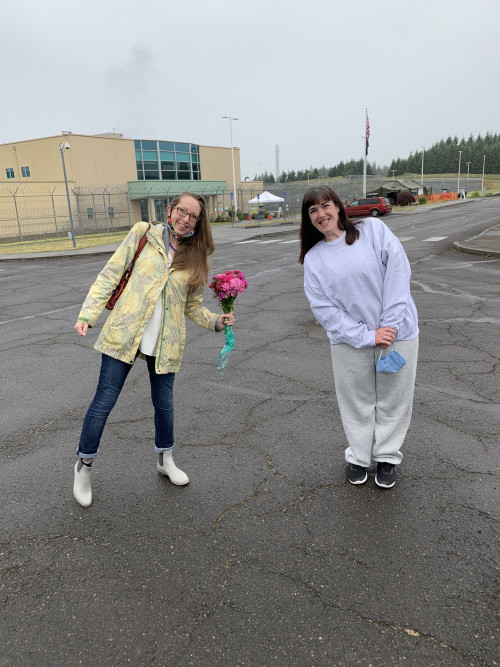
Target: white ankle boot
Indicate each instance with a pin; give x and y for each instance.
(167, 467)
(81, 484)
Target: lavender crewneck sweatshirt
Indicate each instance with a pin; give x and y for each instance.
(355, 289)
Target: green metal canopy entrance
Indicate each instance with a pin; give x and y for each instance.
(164, 189)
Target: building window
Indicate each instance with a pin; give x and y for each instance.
(90, 213)
(10, 172)
(167, 160)
(111, 211)
(25, 172)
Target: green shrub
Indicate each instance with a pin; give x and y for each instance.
(422, 200)
(475, 194)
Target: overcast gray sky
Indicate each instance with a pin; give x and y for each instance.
(298, 74)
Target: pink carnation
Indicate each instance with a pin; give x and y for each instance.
(226, 287)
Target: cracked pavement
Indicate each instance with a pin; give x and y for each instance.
(269, 556)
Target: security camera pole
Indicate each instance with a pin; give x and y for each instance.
(62, 147)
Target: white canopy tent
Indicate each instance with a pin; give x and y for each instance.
(266, 198)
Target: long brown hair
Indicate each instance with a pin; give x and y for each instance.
(192, 253)
(309, 235)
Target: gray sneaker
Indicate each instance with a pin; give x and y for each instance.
(386, 475)
(356, 474)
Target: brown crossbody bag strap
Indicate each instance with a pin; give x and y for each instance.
(115, 295)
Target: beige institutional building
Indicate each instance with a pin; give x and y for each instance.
(112, 182)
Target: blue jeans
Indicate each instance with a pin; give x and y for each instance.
(111, 380)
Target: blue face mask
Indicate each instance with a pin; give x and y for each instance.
(390, 363)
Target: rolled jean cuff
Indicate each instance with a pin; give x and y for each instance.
(159, 450)
(81, 455)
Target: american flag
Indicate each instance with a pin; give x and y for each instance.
(367, 132)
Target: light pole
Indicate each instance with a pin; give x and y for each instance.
(458, 184)
(468, 167)
(62, 147)
(422, 179)
(393, 172)
(231, 118)
(482, 180)
(284, 197)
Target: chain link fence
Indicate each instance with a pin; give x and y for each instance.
(31, 212)
(37, 212)
(352, 188)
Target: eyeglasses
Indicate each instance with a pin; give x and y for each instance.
(182, 212)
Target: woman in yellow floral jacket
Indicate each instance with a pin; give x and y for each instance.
(148, 321)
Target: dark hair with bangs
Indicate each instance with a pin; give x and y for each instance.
(192, 253)
(309, 235)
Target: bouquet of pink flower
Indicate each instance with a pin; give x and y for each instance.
(226, 287)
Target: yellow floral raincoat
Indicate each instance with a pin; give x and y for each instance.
(123, 330)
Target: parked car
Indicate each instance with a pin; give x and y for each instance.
(368, 206)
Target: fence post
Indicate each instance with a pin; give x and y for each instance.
(93, 214)
(54, 211)
(128, 207)
(104, 211)
(17, 215)
(78, 212)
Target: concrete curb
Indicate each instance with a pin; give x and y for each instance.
(469, 246)
(476, 251)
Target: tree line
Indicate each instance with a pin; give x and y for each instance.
(441, 158)
(341, 169)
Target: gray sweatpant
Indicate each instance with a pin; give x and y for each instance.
(375, 407)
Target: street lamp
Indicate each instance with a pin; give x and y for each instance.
(458, 184)
(468, 166)
(65, 147)
(482, 180)
(231, 118)
(422, 180)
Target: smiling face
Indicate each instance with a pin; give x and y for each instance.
(184, 221)
(325, 218)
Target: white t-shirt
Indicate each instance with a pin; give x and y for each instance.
(149, 340)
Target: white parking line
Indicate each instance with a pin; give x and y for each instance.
(407, 238)
(270, 241)
(292, 241)
(242, 242)
(48, 312)
(436, 238)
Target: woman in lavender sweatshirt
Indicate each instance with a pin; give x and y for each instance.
(357, 280)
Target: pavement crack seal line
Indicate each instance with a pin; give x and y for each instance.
(253, 496)
(426, 289)
(232, 508)
(259, 394)
(455, 394)
(379, 624)
(34, 432)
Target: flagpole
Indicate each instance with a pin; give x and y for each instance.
(365, 151)
(364, 167)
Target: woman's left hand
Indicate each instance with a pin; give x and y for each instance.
(226, 318)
